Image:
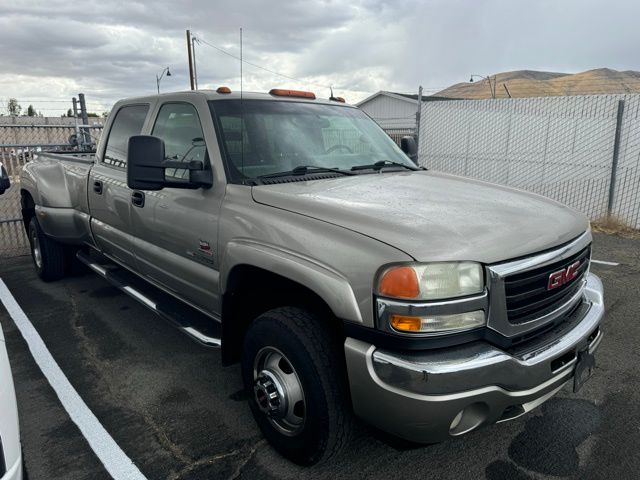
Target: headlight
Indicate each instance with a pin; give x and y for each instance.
(431, 281)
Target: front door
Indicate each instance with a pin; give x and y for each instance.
(177, 229)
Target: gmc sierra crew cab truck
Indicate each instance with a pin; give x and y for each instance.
(295, 235)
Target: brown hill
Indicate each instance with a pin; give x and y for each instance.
(529, 83)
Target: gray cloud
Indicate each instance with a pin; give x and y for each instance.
(109, 49)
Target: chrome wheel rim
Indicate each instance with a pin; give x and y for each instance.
(35, 247)
(278, 392)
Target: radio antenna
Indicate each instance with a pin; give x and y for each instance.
(241, 112)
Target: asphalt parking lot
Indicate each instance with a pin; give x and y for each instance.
(178, 414)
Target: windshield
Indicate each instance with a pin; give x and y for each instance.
(270, 137)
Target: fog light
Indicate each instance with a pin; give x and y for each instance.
(438, 323)
(456, 421)
(469, 418)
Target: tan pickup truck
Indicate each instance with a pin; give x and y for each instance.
(295, 235)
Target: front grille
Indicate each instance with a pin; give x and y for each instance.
(527, 295)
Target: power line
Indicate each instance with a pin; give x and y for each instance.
(221, 50)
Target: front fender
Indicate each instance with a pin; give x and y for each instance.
(320, 278)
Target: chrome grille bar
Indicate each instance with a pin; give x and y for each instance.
(561, 302)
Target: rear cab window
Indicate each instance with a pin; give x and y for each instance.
(129, 121)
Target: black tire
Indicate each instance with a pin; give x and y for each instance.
(318, 363)
(48, 255)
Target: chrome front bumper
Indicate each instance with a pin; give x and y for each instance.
(430, 396)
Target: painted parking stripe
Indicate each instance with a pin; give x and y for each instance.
(602, 262)
(119, 466)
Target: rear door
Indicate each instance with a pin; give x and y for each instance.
(177, 229)
(109, 196)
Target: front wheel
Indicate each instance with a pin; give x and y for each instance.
(295, 377)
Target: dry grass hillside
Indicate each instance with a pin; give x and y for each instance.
(529, 83)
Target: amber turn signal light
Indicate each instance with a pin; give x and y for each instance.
(406, 324)
(399, 282)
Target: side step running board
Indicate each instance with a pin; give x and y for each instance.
(203, 329)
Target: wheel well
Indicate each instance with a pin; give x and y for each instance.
(28, 207)
(252, 291)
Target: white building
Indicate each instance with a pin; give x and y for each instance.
(394, 112)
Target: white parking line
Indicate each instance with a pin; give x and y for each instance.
(602, 262)
(107, 450)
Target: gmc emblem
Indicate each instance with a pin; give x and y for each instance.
(561, 277)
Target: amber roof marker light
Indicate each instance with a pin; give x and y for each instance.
(279, 92)
(223, 90)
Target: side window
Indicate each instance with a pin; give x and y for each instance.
(179, 126)
(129, 121)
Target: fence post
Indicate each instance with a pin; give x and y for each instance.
(418, 119)
(614, 161)
(86, 138)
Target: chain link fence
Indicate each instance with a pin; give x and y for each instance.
(19, 142)
(582, 151)
(396, 134)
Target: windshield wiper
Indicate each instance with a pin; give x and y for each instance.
(383, 163)
(305, 170)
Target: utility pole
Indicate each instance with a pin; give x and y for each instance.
(195, 66)
(189, 44)
(418, 115)
(86, 138)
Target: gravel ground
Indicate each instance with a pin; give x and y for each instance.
(178, 414)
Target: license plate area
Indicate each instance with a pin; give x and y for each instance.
(585, 366)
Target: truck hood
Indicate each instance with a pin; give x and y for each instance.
(433, 216)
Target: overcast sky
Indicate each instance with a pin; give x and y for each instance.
(110, 49)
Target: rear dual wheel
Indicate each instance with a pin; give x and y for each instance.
(49, 256)
(52, 260)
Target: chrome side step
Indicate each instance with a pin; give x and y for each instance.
(201, 328)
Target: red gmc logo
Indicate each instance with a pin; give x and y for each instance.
(559, 278)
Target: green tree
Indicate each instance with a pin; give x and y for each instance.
(13, 107)
(31, 112)
(92, 114)
(69, 113)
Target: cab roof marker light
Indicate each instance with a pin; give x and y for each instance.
(223, 90)
(279, 92)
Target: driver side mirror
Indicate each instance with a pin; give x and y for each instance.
(409, 147)
(5, 182)
(146, 165)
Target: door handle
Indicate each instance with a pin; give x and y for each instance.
(137, 199)
(97, 187)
